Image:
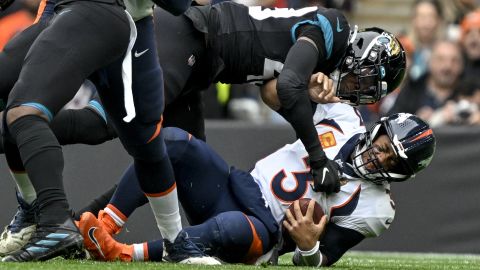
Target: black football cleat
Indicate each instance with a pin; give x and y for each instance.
(50, 241)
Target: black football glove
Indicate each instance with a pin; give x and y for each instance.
(4, 4)
(326, 176)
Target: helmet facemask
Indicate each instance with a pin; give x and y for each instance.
(365, 160)
(361, 84)
(367, 164)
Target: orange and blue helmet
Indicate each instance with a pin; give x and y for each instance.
(412, 141)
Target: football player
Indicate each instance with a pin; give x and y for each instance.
(232, 43)
(236, 216)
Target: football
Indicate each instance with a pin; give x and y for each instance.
(317, 210)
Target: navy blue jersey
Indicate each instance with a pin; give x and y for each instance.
(249, 44)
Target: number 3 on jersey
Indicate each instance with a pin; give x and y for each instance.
(282, 178)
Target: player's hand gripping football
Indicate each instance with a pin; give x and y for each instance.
(4, 4)
(301, 227)
(321, 89)
(326, 176)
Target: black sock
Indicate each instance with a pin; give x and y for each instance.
(43, 160)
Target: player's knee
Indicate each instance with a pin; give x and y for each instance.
(14, 113)
(244, 236)
(174, 134)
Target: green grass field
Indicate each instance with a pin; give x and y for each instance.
(353, 260)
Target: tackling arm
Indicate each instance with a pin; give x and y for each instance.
(293, 96)
(296, 108)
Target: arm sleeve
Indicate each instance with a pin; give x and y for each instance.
(292, 91)
(176, 7)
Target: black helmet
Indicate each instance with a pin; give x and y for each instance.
(375, 61)
(412, 141)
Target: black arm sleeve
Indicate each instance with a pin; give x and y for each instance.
(338, 240)
(176, 7)
(292, 87)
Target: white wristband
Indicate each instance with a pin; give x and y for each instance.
(311, 251)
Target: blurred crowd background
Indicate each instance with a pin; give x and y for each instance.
(441, 39)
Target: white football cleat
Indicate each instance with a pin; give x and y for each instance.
(21, 228)
(12, 241)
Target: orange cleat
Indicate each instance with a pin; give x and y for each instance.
(100, 243)
(108, 223)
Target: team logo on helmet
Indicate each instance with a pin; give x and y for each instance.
(390, 43)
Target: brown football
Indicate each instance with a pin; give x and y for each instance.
(317, 210)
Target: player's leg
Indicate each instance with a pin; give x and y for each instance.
(186, 112)
(89, 125)
(142, 136)
(23, 224)
(53, 71)
(230, 236)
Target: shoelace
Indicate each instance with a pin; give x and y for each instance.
(21, 218)
(25, 212)
(18, 221)
(189, 245)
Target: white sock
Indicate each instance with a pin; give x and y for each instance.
(25, 187)
(166, 212)
(139, 252)
(111, 211)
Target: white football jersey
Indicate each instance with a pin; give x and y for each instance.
(284, 176)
